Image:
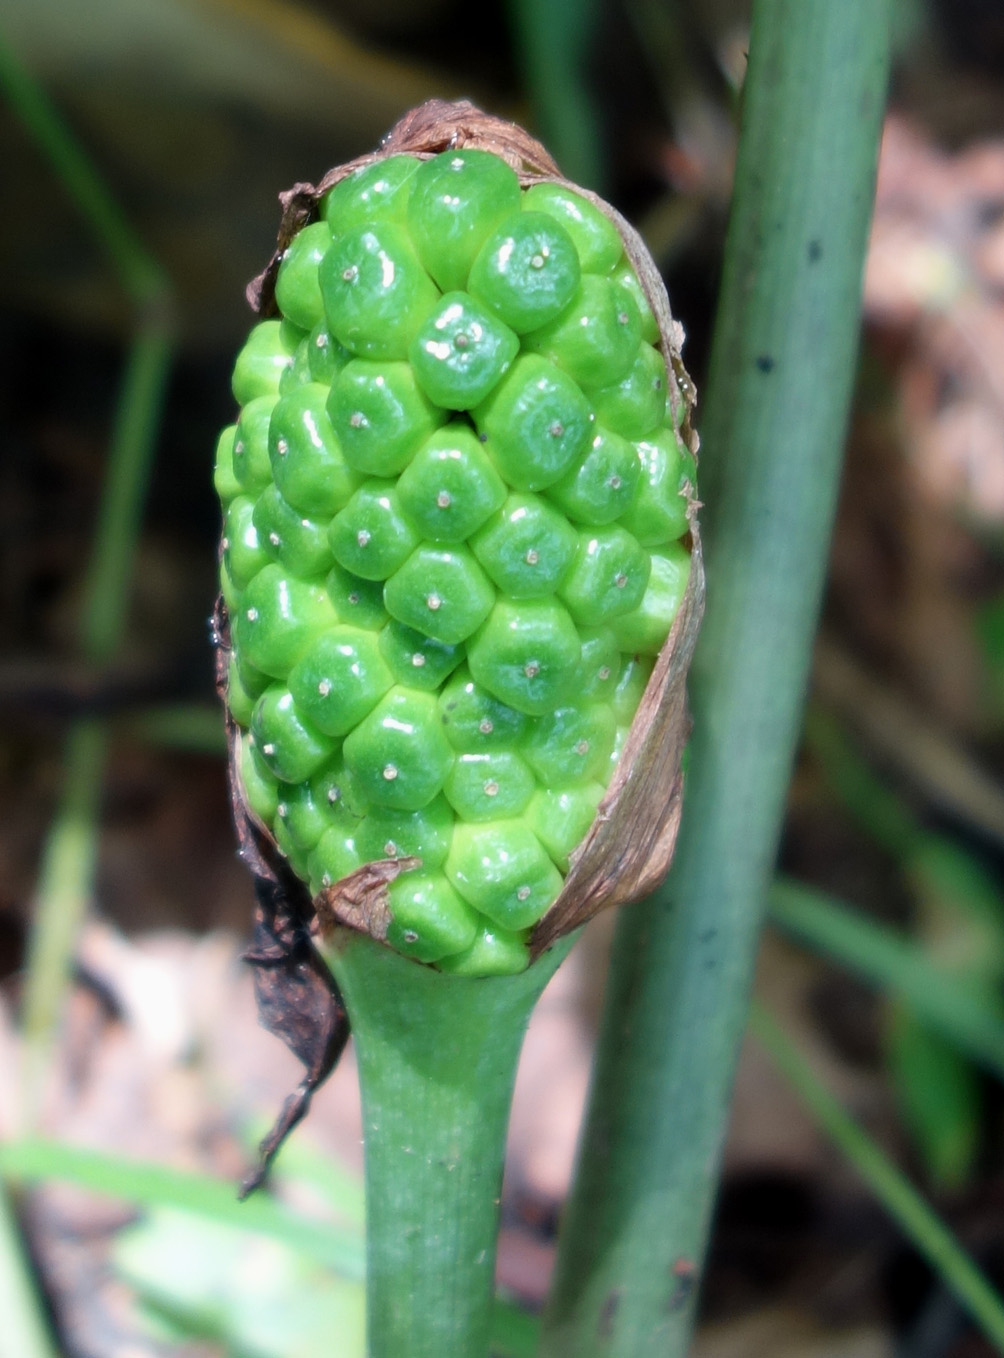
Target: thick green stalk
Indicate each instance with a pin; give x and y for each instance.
(437, 1060)
(635, 1231)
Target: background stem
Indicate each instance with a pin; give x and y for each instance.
(635, 1230)
(437, 1061)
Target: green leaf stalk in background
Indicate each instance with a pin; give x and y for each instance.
(68, 862)
(775, 411)
(437, 1062)
(928, 1234)
(554, 39)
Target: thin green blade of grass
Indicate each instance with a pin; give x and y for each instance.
(634, 1235)
(139, 272)
(152, 1185)
(888, 960)
(25, 1330)
(69, 857)
(919, 1223)
(554, 40)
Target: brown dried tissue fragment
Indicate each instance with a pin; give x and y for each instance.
(296, 996)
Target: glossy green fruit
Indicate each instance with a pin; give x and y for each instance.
(455, 538)
(457, 199)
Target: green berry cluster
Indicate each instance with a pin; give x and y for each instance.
(453, 542)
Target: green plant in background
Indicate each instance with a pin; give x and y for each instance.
(771, 394)
(960, 921)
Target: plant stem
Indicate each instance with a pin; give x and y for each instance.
(635, 1230)
(437, 1060)
(930, 1236)
(67, 872)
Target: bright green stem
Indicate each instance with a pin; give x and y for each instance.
(437, 1060)
(635, 1231)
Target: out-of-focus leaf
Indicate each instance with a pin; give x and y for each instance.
(939, 1097)
(891, 961)
(256, 1296)
(150, 1185)
(197, 113)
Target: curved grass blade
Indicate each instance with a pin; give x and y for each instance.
(919, 1223)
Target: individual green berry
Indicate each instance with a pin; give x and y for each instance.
(475, 720)
(334, 788)
(600, 666)
(491, 785)
(634, 407)
(461, 352)
(537, 422)
(375, 291)
(325, 356)
(296, 857)
(297, 290)
(560, 817)
(261, 789)
(501, 868)
(334, 856)
(398, 755)
(340, 679)
(658, 512)
(243, 553)
(527, 654)
(371, 536)
(305, 455)
(240, 703)
(630, 688)
(627, 278)
(289, 744)
(450, 487)
(225, 483)
(253, 682)
(601, 487)
(381, 415)
(252, 469)
(278, 618)
(426, 834)
(267, 354)
(441, 592)
(494, 952)
(298, 544)
(527, 271)
(595, 339)
(378, 192)
(571, 744)
(416, 660)
(303, 817)
(457, 199)
(357, 602)
(298, 373)
(596, 238)
(644, 630)
(428, 919)
(607, 576)
(526, 547)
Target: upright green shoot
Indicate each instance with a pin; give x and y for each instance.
(67, 872)
(776, 404)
